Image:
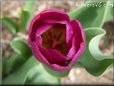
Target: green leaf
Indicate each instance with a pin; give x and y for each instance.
(109, 12)
(91, 16)
(95, 50)
(8, 64)
(24, 19)
(78, 65)
(27, 14)
(93, 66)
(3, 67)
(19, 76)
(13, 26)
(56, 73)
(31, 73)
(13, 63)
(21, 48)
(38, 75)
(29, 6)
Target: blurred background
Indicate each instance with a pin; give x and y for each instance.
(12, 9)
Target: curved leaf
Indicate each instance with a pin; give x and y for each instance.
(10, 24)
(93, 66)
(21, 48)
(38, 75)
(94, 48)
(93, 16)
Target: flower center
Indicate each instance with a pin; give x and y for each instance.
(55, 38)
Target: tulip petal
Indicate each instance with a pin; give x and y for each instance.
(50, 16)
(79, 41)
(77, 25)
(60, 68)
(78, 54)
(46, 54)
(57, 57)
(54, 15)
(38, 54)
(38, 40)
(69, 33)
(42, 28)
(55, 21)
(72, 50)
(53, 56)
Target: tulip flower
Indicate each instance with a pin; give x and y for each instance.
(55, 40)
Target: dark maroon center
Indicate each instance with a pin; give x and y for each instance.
(55, 38)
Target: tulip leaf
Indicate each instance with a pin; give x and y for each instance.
(10, 24)
(19, 76)
(109, 12)
(21, 48)
(93, 16)
(92, 65)
(27, 14)
(56, 73)
(29, 6)
(24, 19)
(95, 50)
(78, 65)
(3, 67)
(14, 62)
(11, 64)
(38, 75)
(31, 73)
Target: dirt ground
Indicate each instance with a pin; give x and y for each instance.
(11, 8)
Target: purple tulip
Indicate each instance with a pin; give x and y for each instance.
(56, 41)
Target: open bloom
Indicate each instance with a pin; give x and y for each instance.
(56, 41)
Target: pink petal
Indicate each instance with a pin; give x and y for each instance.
(46, 54)
(42, 28)
(77, 25)
(72, 50)
(50, 16)
(38, 54)
(57, 58)
(78, 54)
(54, 15)
(69, 33)
(60, 68)
(55, 21)
(79, 42)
